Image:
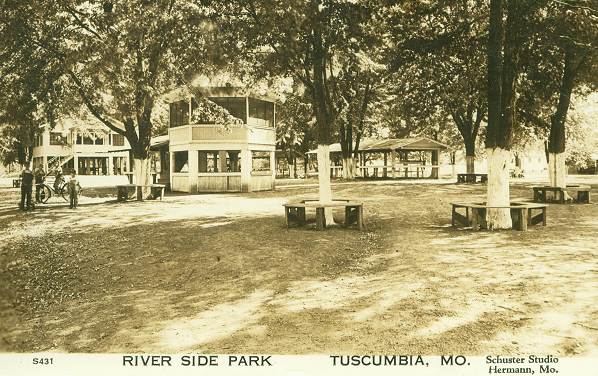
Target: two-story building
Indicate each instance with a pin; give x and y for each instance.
(208, 158)
(85, 146)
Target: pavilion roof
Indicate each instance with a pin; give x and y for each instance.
(389, 144)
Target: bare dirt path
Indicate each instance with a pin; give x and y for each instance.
(220, 273)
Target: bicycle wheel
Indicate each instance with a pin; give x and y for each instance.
(44, 194)
(64, 192)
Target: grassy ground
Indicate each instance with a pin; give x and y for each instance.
(221, 273)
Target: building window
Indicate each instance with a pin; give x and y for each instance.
(234, 105)
(38, 140)
(179, 113)
(57, 138)
(118, 140)
(208, 161)
(181, 161)
(262, 110)
(260, 160)
(99, 140)
(233, 161)
(119, 165)
(92, 166)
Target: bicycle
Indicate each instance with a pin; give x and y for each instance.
(46, 191)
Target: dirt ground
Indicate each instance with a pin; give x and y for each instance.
(221, 273)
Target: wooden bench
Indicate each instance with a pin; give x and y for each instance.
(16, 183)
(522, 215)
(295, 213)
(472, 178)
(583, 193)
(157, 191)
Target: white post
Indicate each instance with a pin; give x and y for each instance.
(193, 163)
(273, 168)
(110, 166)
(171, 168)
(245, 170)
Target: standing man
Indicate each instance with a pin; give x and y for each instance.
(26, 189)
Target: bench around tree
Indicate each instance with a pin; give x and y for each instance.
(522, 214)
(472, 178)
(157, 191)
(295, 213)
(583, 193)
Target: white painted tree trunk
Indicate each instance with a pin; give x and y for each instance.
(141, 176)
(557, 171)
(349, 168)
(498, 189)
(325, 188)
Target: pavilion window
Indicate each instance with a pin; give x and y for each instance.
(234, 105)
(208, 161)
(233, 161)
(260, 160)
(262, 110)
(181, 161)
(179, 113)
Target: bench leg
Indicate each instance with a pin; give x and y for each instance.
(348, 216)
(301, 216)
(320, 219)
(360, 221)
(522, 215)
(453, 216)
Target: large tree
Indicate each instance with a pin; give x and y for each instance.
(118, 58)
(308, 46)
(561, 64)
(508, 33)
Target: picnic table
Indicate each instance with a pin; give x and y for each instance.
(123, 191)
(582, 193)
(472, 178)
(295, 212)
(522, 214)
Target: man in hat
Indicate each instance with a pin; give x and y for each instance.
(26, 189)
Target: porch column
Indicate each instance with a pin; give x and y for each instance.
(170, 168)
(76, 164)
(245, 170)
(193, 163)
(273, 167)
(110, 165)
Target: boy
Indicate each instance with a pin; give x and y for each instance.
(73, 190)
(26, 189)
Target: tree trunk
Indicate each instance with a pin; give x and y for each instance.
(142, 177)
(470, 157)
(557, 170)
(325, 188)
(498, 189)
(470, 164)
